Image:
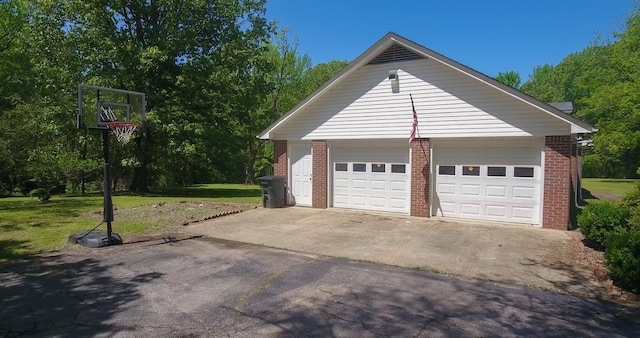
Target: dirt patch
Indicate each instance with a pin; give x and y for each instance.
(168, 216)
(605, 196)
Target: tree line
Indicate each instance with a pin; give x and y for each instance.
(603, 82)
(215, 74)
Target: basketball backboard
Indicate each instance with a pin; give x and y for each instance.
(97, 106)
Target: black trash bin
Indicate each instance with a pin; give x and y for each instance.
(273, 191)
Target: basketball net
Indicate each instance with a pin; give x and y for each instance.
(123, 130)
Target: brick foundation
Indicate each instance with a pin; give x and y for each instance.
(420, 177)
(319, 174)
(557, 182)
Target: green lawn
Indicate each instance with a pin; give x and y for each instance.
(28, 226)
(607, 188)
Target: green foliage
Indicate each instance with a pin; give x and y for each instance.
(540, 84)
(43, 194)
(598, 219)
(602, 81)
(623, 257)
(510, 78)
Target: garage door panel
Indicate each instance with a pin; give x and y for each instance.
(398, 203)
(377, 178)
(358, 184)
(523, 212)
(359, 200)
(341, 182)
(496, 211)
(472, 209)
(341, 198)
(447, 188)
(448, 208)
(524, 192)
(470, 190)
(398, 185)
(496, 191)
(379, 202)
(378, 185)
(506, 185)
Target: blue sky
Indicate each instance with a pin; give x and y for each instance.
(488, 36)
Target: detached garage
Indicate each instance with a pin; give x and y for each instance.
(481, 150)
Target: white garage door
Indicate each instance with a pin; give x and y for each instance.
(371, 179)
(491, 183)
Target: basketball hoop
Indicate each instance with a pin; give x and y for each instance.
(123, 130)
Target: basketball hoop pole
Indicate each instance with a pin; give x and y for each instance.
(108, 204)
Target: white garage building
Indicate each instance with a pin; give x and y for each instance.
(482, 150)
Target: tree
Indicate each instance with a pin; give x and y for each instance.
(603, 81)
(540, 85)
(180, 54)
(510, 78)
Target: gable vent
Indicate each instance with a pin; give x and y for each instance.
(395, 53)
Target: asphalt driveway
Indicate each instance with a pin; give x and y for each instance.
(511, 254)
(193, 286)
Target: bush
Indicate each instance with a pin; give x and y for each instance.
(42, 194)
(632, 199)
(623, 257)
(598, 219)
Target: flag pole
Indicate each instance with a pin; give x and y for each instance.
(414, 127)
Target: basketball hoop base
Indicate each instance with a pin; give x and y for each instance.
(95, 238)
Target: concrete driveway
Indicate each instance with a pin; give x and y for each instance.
(504, 253)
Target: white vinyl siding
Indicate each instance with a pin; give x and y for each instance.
(448, 102)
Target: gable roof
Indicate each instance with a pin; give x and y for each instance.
(393, 47)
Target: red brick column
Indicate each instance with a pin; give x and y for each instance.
(557, 182)
(420, 169)
(280, 167)
(574, 174)
(319, 174)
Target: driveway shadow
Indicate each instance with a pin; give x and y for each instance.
(50, 296)
(442, 306)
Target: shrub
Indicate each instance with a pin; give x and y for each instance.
(42, 194)
(598, 219)
(632, 198)
(623, 257)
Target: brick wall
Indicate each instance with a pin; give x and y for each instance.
(557, 182)
(280, 167)
(420, 178)
(319, 174)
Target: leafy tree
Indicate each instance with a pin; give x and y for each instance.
(510, 78)
(540, 85)
(181, 54)
(603, 81)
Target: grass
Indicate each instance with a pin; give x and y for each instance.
(607, 188)
(28, 226)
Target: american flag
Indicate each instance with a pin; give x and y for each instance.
(415, 121)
